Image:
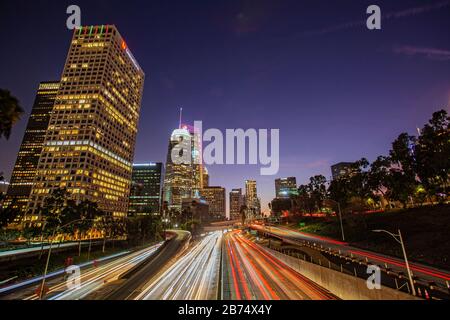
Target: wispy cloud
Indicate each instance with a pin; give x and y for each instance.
(385, 16)
(429, 53)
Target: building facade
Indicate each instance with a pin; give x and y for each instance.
(146, 183)
(236, 202)
(341, 169)
(89, 145)
(184, 169)
(30, 150)
(215, 197)
(251, 198)
(286, 187)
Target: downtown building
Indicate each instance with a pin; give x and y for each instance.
(216, 199)
(236, 202)
(89, 145)
(25, 168)
(146, 183)
(252, 201)
(183, 180)
(286, 187)
(341, 169)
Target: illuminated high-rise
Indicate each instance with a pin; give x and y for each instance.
(236, 202)
(145, 196)
(184, 178)
(251, 198)
(30, 150)
(90, 141)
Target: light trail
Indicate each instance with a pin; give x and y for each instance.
(193, 276)
(95, 278)
(256, 275)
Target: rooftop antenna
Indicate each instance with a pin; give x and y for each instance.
(181, 115)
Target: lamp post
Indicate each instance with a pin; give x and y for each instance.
(399, 239)
(340, 217)
(41, 291)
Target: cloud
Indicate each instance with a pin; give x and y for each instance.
(429, 53)
(385, 16)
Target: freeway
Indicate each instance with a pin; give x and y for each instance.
(193, 276)
(134, 282)
(424, 272)
(250, 273)
(91, 279)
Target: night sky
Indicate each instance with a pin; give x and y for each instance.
(336, 90)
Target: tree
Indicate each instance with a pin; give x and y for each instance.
(317, 190)
(243, 212)
(378, 176)
(402, 178)
(432, 153)
(10, 112)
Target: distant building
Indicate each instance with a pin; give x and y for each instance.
(286, 187)
(341, 169)
(145, 197)
(205, 177)
(215, 197)
(30, 150)
(3, 189)
(251, 198)
(236, 202)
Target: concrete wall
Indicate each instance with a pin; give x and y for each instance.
(342, 285)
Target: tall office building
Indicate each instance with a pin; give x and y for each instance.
(30, 150)
(236, 202)
(286, 187)
(89, 144)
(183, 179)
(178, 179)
(145, 197)
(205, 177)
(341, 169)
(215, 197)
(251, 198)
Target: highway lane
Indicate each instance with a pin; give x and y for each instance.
(91, 279)
(193, 276)
(441, 277)
(133, 283)
(250, 273)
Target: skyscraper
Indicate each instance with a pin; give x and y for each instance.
(89, 144)
(215, 197)
(30, 150)
(251, 198)
(205, 177)
(236, 202)
(145, 196)
(184, 178)
(286, 187)
(178, 180)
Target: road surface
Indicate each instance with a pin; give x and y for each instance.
(194, 276)
(132, 285)
(250, 273)
(91, 279)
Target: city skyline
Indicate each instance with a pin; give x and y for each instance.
(354, 114)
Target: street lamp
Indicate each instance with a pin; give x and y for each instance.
(340, 217)
(41, 291)
(399, 239)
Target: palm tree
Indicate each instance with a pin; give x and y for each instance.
(10, 112)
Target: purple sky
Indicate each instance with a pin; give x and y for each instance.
(336, 90)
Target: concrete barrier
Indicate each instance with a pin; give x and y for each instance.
(342, 285)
